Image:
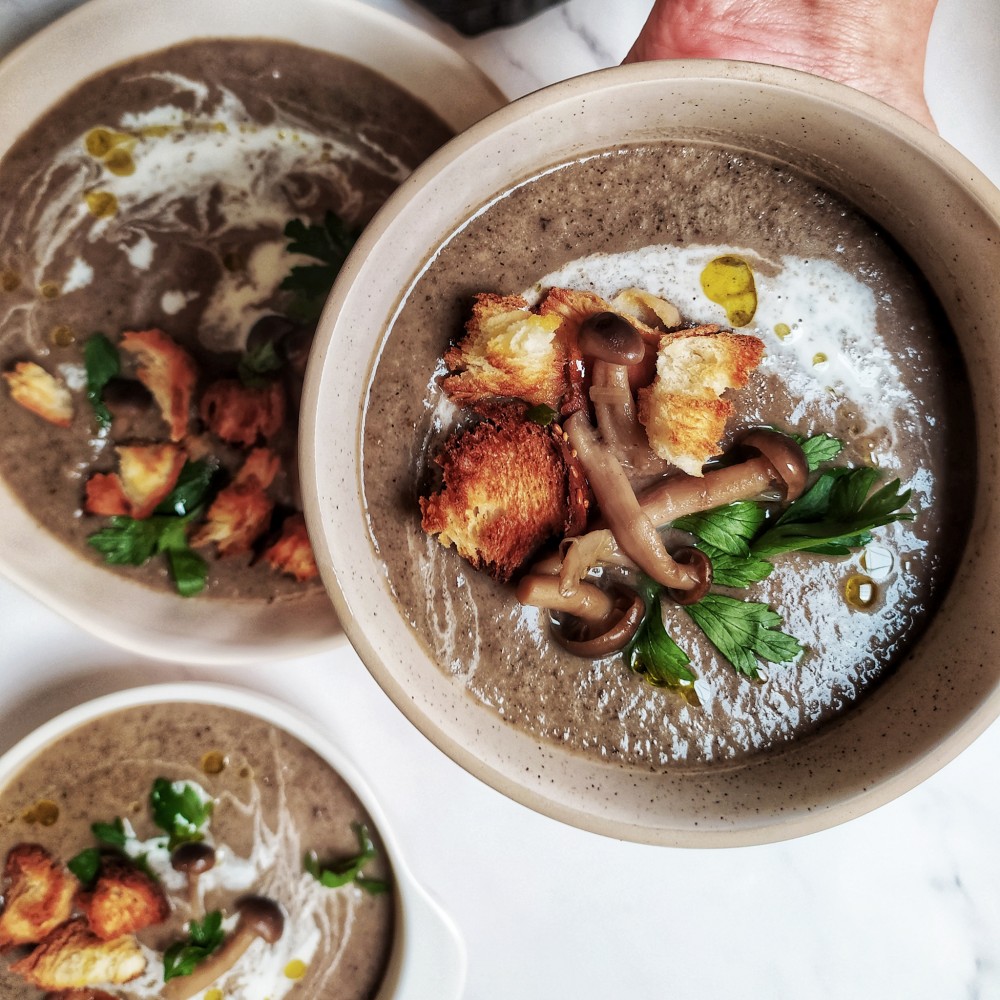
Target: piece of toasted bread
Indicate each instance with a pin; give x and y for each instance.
(41, 392)
(123, 900)
(682, 410)
(146, 475)
(242, 414)
(241, 512)
(38, 898)
(167, 371)
(651, 310)
(507, 352)
(508, 486)
(292, 554)
(73, 957)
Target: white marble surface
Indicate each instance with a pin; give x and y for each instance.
(904, 902)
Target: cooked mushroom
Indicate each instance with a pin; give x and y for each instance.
(260, 917)
(193, 859)
(614, 345)
(633, 530)
(589, 622)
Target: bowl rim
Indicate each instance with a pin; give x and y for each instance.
(173, 628)
(420, 922)
(319, 495)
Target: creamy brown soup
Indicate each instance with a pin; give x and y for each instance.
(274, 800)
(155, 195)
(855, 345)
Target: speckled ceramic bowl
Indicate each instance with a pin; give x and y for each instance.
(427, 956)
(92, 38)
(937, 207)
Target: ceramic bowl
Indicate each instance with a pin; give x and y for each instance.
(944, 214)
(427, 956)
(95, 37)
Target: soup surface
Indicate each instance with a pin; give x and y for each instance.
(855, 346)
(156, 196)
(274, 800)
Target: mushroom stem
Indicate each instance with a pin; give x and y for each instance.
(259, 918)
(633, 530)
(586, 601)
(618, 419)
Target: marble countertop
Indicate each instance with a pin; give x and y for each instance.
(903, 902)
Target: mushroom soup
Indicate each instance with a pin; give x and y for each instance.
(855, 346)
(256, 802)
(156, 196)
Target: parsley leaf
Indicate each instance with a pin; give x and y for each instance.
(179, 809)
(190, 490)
(102, 364)
(112, 834)
(835, 515)
(742, 631)
(204, 938)
(819, 448)
(310, 283)
(735, 571)
(652, 653)
(541, 414)
(263, 360)
(85, 865)
(348, 870)
(729, 528)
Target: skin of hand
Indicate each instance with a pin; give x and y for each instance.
(876, 46)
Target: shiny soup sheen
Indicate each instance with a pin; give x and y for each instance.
(855, 345)
(274, 800)
(155, 195)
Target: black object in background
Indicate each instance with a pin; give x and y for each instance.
(472, 17)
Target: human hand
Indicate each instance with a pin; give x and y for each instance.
(871, 45)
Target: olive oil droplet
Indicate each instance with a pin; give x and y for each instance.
(120, 162)
(214, 994)
(728, 281)
(820, 358)
(782, 330)
(10, 281)
(295, 969)
(62, 336)
(44, 812)
(102, 204)
(213, 762)
(48, 290)
(860, 591)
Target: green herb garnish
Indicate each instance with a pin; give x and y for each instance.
(262, 361)
(652, 652)
(541, 414)
(819, 448)
(181, 958)
(729, 529)
(310, 284)
(102, 364)
(179, 809)
(338, 873)
(85, 865)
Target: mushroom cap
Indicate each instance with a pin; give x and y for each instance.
(583, 638)
(193, 858)
(696, 560)
(786, 457)
(606, 336)
(262, 916)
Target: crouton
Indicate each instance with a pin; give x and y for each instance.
(574, 306)
(168, 372)
(508, 486)
(682, 411)
(72, 957)
(507, 352)
(242, 414)
(45, 395)
(241, 512)
(292, 554)
(146, 475)
(124, 900)
(85, 994)
(39, 895)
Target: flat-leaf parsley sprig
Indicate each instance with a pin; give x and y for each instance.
(833, 517)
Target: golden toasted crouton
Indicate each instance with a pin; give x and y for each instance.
(508, 486)
(241, 512)
(168, 372)
(507, 352)
(291, 553)
(682, 411)
(146, 475)
(85, 994)
(39, 895)
(649, 309)
(42, 393)
(123, 900)
(242, 414)
(72, 957)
